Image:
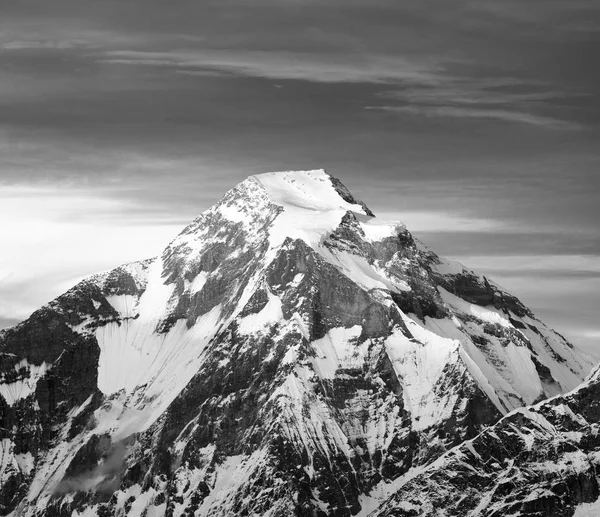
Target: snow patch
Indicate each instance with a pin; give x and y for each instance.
(376, 230)
(588, 510)
(270, 313)
(488, 314)
(198, 282)
(338, 349)
(124, 304)
(229, 477)
(312, 207)
(419, 363)
(357, 269)
(505, 372)
(133, 355)
(22, 388)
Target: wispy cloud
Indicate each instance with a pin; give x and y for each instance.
(566, 18)
(422, 221)
(507, 99)
(65, 33)
(76, 231)
(556, 265)
(422, 86)
(326, 68)
(43, 44)
(481, 113)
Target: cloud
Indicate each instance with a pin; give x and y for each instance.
(43, 44)
(104, 478)
(325, 68)
(62, 33)
(585, 338)
(55, 236)
(497, 114)
(440, 221)
(554, 265)
(591, 334)
(507, 99)
(6, 322)
(421, 86)
(541, 20)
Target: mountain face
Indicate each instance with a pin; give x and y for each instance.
(287, 354)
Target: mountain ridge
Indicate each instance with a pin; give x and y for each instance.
(550, 455)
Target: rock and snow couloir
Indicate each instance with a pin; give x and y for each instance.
(286, 354)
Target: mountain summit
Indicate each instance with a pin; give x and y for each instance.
(286, 354)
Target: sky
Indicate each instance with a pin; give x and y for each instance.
(477, 123)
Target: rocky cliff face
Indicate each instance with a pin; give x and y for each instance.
(286, 354)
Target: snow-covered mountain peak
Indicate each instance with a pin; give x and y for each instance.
(308, 190)
(306, 205)
(286, 354)
(264, 211)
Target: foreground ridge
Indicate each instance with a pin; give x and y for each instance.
(288, 353)
(540, 460)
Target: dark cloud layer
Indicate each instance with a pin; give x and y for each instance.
(483, 114)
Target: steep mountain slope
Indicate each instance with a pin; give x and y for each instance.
(538, 461)
(286, 354)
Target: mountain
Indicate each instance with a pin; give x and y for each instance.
(287, 354)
